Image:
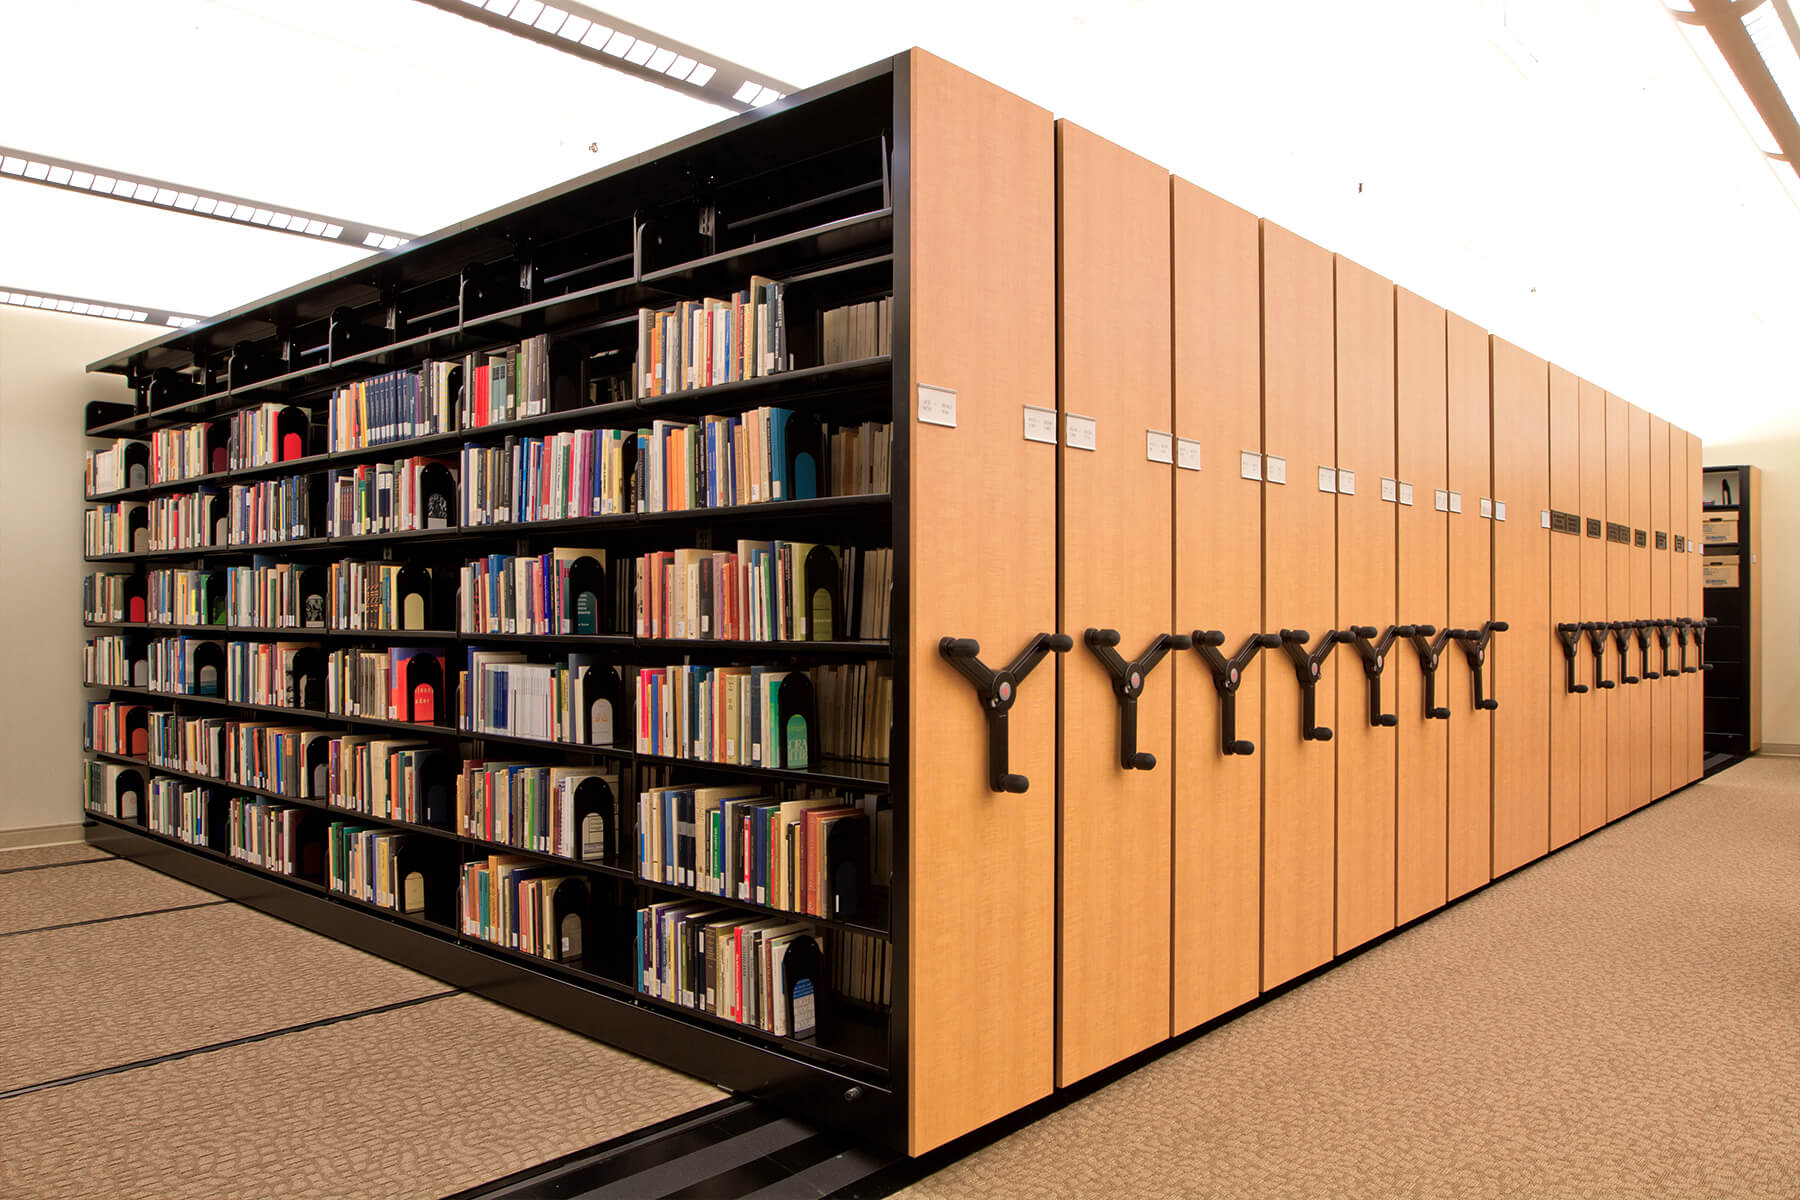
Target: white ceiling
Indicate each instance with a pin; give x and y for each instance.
(1563, 172)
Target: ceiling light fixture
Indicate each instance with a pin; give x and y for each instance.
(82, 307)
(1751, 48)
(72, 176)
(602, 38)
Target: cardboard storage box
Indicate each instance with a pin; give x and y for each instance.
(1718, 530)
(1721, 572)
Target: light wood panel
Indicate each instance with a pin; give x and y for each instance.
(1471, 602)
(978, 968)
(1677, 684)
(1640, 604)
(1422, 746)
(1299, 566)
(1696, 608)
(1518, 673)
(1618, 607)
(1593, 605)
(1365, 596)
(1565, 606)
(1661, 688)
(1116, 530)
(1218, 585)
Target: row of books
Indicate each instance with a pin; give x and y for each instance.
(565, 590)
(408, 494)
(740, 843)
(752, 716)
(505, 385)
(766, 454)
(856, 706)
(858, 460)
(123, 464)
(116, 727)
(365, 864)
(699, 343)
(111, 789)
(265, 833)
(112, 596)
(573, 700)
(179, 810)
(764, 591)
(761, 973)
(561, 476)
(571, 812)
(397, 683)
(862, 966)
(856, 331)
(513, 901)
(393, 406)
(260, 436)
(114, 660)
(118, 527)
(267, 511)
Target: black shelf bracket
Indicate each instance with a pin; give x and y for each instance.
(1570, 633)
(1474, 643)
(1642, 630)
(1682, 626)
(1227, 674)
(1429, 645)
(1128, 680)
(1699, 628)
(1621, 635)
(997, 690)
(1596, 636)
(1306, 668)
(1373, 649)
(1663, 625)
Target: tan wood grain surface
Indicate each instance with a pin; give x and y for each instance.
(1593, 605)
(1752, 643)
(1365, 596)
(1471, 603)
(1618, 607)
(1299, 569)
(1218, 585)
(1114, 958)
(1677, 683)
(1422, 746)
(980, 899)
(1640, 604)
(1696, 608)
(1661, 688)
(1565, 606)
(1519, 671)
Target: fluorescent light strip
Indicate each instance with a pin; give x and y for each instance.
(1770, 36)
(81, 307)
(96, 181)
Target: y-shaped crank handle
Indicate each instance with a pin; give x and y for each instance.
(1621, 635)
(1227, 674)
(1307, 666)
(1642, 629)
(997, 691)
(1474, 643)
(1374, 658)
(1596, 636)
(1429, 645)
(1128, 679)
(1570, 633)
(1682, 626)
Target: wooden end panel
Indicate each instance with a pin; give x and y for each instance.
(1365, 596)
(981, 899)
(1662, 688)
(1471, 603)
(1565, 607)
(1114, 884)
(1218, 586)
(1518, 667)
(1640, 604)
(1422, 746)
(1300, 594)
(1593, 605)
(1752, 650)
(1696, 608)
(1618, 606)
(1676, 684)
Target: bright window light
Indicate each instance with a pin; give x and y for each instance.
(660, 60)
(81, 179)
(373, 239)
(575, 28)
(60, 175)
(226, 209)
(747, 93)
(1777, 49)
(527, 11)
(595, 37)
(702, 75)
(551, 19)
(315, 227)
(1726, 81)
(12, 166)
(618, 44)
(334, 231)
(680, 68)
(501, 7)
(103, 183)
(37, 170)
(640, 53)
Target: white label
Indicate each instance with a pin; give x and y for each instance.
(1327, 479)
(1274, 468)
(1159, 447)
(937, 406)
(1040, 424)
(1390, 490)
(1187, 454)
(1455, 502)
(1079, 431)
(1487, 509)
(1443, 500)
(1499, 510)
(1346, 481)
(1406, 493)
(1250, 465)
(1544, 517)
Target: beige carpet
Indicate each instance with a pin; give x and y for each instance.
(95, 996)
(40, 856)
(412, 1103)
(1620, 1020)
(88, 891)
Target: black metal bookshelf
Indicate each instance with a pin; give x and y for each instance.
(1732, 717)
(802, 192)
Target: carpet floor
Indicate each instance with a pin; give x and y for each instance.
(1621, 1019)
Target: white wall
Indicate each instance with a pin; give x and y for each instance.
(42, 391)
